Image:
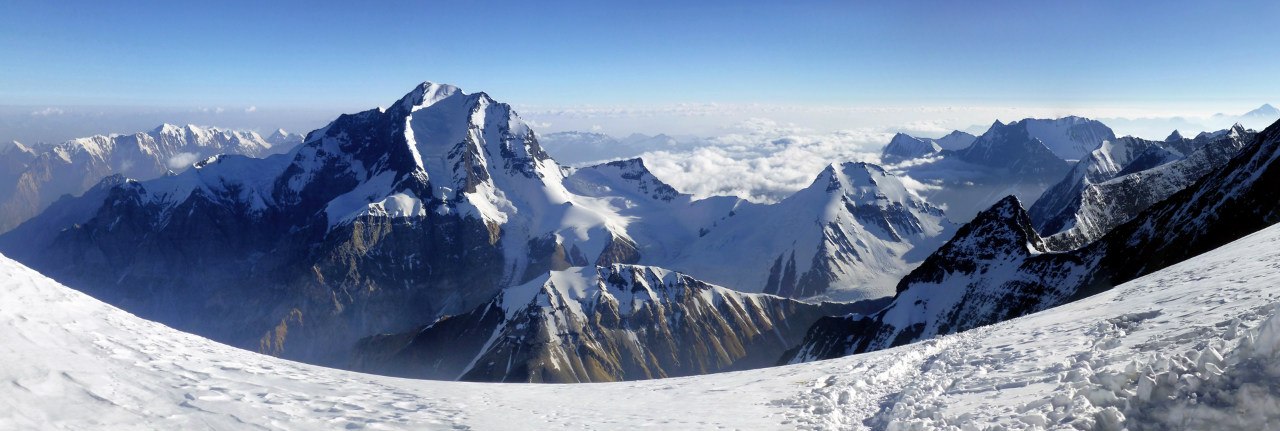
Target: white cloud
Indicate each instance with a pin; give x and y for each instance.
(596, 128)
(182, 160)
(536, 124)
(764, 161)
(251, 109)
(47, 112)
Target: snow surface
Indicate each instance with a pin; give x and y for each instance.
(1176, 349)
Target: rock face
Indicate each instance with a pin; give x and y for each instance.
(1123, 177)
(31, 179)
(952, 292)
(848, 236)
(596, 324)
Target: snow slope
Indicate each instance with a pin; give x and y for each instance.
(1143, 354)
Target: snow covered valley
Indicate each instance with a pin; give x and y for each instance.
(1196, 345)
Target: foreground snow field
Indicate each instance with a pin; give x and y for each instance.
(1163, 351)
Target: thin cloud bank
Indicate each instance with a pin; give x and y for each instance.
(47, 112)
(764, 161)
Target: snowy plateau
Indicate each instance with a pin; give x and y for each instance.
(1194, 346)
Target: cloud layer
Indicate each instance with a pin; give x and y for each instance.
(763, 161)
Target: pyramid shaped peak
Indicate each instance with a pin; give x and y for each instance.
(429, 93)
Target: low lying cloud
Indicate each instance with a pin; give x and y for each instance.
(182, 160)
(764, 161)
(251, 109)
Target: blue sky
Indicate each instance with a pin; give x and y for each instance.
(342, 56)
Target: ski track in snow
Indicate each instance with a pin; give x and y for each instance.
(1160, 344)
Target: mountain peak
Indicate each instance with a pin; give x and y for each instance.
(1266, 110)
(904, 146)
(861, 182)
(1174, 137)
(1007, 207)
(428, 93)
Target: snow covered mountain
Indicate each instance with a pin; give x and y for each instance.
(848, 236)
(904, 147)
(997, 267)
(379, 221)
(1022, 158)
(282, 141)
(1265, 112)
(31, 179)
(390, 219)
(1124, 177)
(956, 140)
(593, 324)
(1187, 347)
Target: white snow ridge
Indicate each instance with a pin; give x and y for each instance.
(1192, 346)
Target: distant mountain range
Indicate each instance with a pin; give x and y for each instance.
(32, 178)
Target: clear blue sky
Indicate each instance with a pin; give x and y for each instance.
(345, 55)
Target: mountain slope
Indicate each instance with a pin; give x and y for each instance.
(847, 236)
(1110, 361)
(593, 324)
(1117, 187)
